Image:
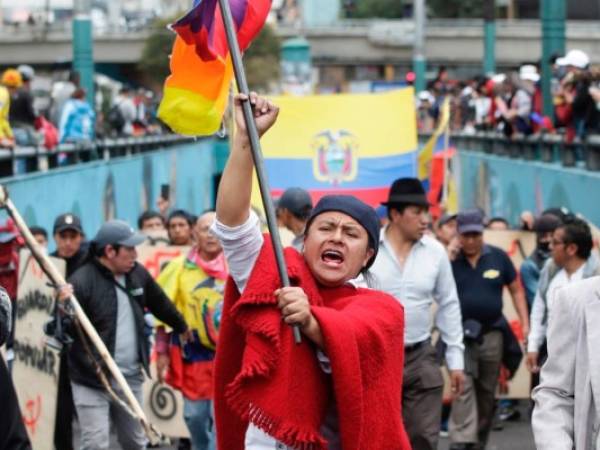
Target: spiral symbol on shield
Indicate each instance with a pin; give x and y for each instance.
(163, 403)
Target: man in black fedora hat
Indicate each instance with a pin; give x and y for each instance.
(416, 270)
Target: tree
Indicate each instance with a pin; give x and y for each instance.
(261, 60)
(455, 9)
(154, 61)
(365, 9)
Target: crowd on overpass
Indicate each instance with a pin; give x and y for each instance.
(68, 117)
(511, 103)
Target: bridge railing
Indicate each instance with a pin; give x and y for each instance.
(547, 148)
(21, 160)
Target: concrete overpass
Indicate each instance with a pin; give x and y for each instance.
(453, 42)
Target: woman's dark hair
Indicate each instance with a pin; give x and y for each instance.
(370, 278)
(190, 218)
(147, 215)
(578, 232)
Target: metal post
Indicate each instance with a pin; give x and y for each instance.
(83, 57)
(489, 37)
(242, 84)
(419, 61)
(553, 13)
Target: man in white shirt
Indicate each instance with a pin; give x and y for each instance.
(416, 270)
(572, 260)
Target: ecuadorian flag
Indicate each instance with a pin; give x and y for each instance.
(354, 144)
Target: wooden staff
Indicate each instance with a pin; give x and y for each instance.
(57, 279)
(261, 175)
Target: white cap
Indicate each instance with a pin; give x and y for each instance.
(426, 96)
(529, 72)
(575, 58)
(26, 72)
(499, 78)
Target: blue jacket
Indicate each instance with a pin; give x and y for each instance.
(76, 121)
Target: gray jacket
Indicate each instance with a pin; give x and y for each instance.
(567, 401)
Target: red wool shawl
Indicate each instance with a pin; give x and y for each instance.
(262, 377)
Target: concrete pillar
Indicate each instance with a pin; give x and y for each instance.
(83, 47)
(553, 13)
(489, 36)
(419, 61)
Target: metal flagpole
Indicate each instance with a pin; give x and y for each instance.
(242, 84)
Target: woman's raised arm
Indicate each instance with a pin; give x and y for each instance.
(235, 188)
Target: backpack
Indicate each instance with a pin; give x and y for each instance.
(115, 118)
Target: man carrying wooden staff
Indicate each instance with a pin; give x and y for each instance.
(113, 290)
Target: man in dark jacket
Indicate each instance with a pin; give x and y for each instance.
(70, 246)
(113, 291)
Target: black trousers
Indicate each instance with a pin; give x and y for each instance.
(13, 435)
(65, 408)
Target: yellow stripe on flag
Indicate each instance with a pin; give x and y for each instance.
(426, 153)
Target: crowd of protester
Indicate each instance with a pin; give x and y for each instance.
(70, 118)
(421, 261)
(511, 103)
(418, 260)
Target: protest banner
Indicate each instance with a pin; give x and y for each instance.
(163, 406)
(155, 257)
(36, 365)
(518, 245)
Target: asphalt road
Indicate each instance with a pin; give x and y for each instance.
(514, 436)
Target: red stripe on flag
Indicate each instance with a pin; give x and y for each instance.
(372, 197)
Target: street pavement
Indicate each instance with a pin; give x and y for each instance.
(515, 435)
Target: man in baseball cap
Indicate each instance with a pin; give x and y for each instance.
(72, 247)
(117, 232)
(113, 290)
(481, 273)
(70, 241)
